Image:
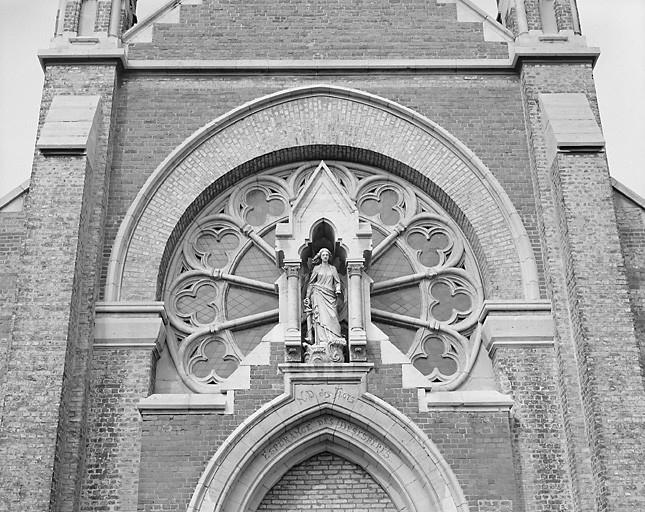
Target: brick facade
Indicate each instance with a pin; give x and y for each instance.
(94, 412)
(345, 29)
(324, 483)
(631, 230)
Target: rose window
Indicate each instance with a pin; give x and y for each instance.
(221, 290)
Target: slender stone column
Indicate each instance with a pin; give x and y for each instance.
(293, 340)
(357, 337)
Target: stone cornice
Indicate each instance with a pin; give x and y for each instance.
(541, 53)
(516, 325)
(89, 54)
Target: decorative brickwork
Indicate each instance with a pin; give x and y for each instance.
(71, 15)
(326, 483)
(103, 10)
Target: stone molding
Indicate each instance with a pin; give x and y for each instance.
(71, 126)
(494, 201)
(568, 124)
(187, 403)
(342, 373)
(517, 324)
(326, 409)
(538, 51)
(471, 400)
(131, 326)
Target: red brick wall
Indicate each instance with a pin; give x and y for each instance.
(598, 374)
(12, 232)
(326, 483)
(631, 230)
(120, 378)
(300, 29)
(44, 388)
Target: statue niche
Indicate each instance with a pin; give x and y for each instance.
(325, 334)
(323, 248)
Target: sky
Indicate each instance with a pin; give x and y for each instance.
(616, 27)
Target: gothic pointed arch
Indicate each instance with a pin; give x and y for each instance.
(295, 124)
(318, 415)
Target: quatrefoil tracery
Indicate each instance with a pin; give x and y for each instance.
(384, 201)
(260, 202)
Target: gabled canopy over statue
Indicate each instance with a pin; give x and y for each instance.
(324, 340)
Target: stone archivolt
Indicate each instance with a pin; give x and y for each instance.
(238, 276)
(328, 410)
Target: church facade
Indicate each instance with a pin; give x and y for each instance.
(321, 256)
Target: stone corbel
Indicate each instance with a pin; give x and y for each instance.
(130, 326)
(516, 325)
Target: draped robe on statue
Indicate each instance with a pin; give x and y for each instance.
(322, 292)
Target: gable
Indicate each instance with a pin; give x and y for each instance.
(301, 29)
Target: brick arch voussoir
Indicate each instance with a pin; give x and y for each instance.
(362, 127)
(373, 435)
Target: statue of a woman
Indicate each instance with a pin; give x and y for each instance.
(321, 304)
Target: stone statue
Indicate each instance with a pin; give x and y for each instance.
(324, 341)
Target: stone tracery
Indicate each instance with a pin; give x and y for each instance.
(225, 288)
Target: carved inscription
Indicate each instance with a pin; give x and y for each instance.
(326, 422)
(324, 394)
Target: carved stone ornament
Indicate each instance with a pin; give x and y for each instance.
(402, 271)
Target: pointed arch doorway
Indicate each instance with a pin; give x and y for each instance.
(326, 409)
(326, 481)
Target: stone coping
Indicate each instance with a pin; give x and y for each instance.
(619, 187)
(14, 194)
